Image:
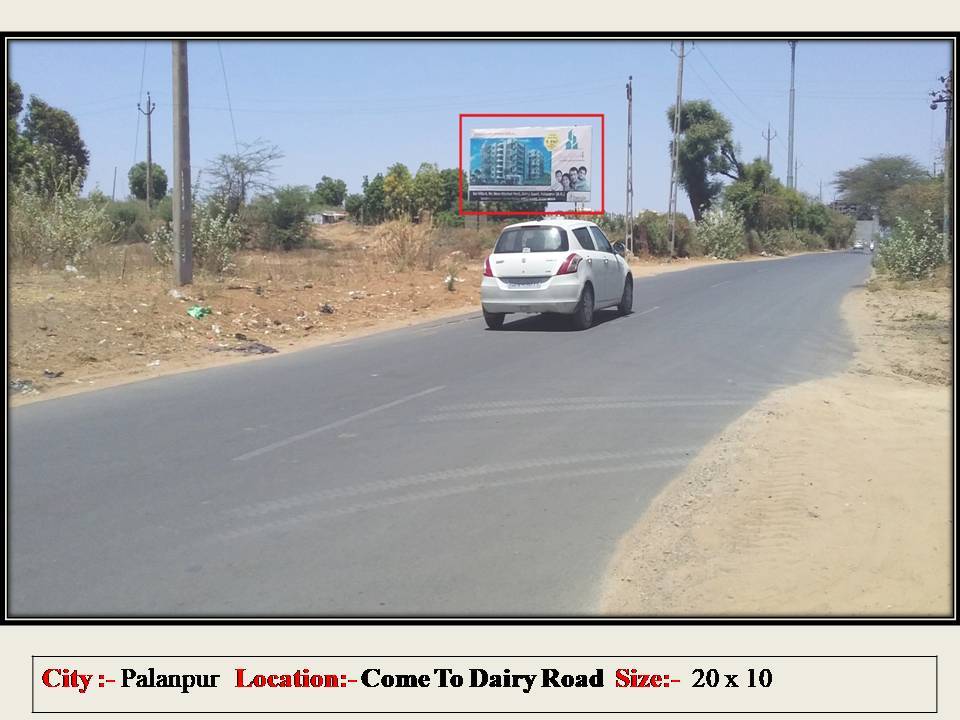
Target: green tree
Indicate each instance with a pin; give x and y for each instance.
(374, 199)
(870, 183)
(47, 125)
(450, 182)
(912, 201)
(747, 195)
(330, 192)
(138, 181)
(398, 191)
(281, 217)
(428, 188)
(17, 146)
(14, 100)
(353, 204)
(706, 152)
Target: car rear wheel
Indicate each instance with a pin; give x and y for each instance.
(494, 320)
(626, 300)
(583, 315)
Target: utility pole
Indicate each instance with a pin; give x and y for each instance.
(113, 193)
(820, 194)
(945, 97)
(791, 180)
(628, 240)
(672, 210)
(182, 199)
(768, 137)
(796, 172)
(151, 106)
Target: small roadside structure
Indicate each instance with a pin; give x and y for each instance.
(326, 217)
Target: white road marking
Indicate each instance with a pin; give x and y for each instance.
(722, 282)
(656, 307)
(335, 424)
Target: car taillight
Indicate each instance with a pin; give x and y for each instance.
(570, 265)
(487, 272)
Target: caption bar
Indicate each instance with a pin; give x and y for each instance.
(718, 684)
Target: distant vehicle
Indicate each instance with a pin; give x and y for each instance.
(555, 266)
(858, 245)
(872, 245)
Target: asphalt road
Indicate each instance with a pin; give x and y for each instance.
(438, 470)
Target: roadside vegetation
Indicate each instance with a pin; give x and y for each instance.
(261, 255)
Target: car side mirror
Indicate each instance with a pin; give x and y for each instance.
(620, 249)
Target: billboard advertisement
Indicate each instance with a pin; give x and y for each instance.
(545, 164)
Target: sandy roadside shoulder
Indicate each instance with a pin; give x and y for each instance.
(832, 497)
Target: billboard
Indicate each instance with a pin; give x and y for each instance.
(544, 164)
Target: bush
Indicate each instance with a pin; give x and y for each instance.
(279, 220)
(54, 228)
(652, 229)
(912, 251)
(405, 244)
(839, 230)
(722, 234)
(216, 237)
(448, 219)
(131, 220)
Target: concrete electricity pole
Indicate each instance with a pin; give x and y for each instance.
(768, 137)
(791, 181)
(151, 106)
(628, 240)
(674, 180)
(182, 199)
(945, 97)
(113, 193)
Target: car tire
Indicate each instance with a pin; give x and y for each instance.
(583, 314)
(494, 321)
(626, 299)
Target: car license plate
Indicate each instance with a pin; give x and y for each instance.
(524, 283)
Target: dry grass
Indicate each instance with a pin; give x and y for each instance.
(115, 316)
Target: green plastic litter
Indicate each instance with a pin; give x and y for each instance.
(198, 312)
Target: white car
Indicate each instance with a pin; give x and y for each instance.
(554, 266)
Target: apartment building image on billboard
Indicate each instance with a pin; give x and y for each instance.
(510, 161)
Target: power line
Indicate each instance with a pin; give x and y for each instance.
(143, 67)
(729, 87)
(226, 87)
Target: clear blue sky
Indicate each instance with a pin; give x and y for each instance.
(351, 108)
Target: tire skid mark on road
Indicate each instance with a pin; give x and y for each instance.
(579, 407)
(591, 399)
(294, 501)
(293, 520)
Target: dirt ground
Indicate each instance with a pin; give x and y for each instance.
(114, 319)
(829, 498)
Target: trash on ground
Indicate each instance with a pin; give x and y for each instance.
(240, 336)
(198, 311)
(327, 308)
(176, 294)
(71, 269)
(51, 374)
(153, 363)
(24, 387)
(248, 348)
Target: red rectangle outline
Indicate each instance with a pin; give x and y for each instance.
(603, 176)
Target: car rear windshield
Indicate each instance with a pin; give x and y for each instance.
(535, 238)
